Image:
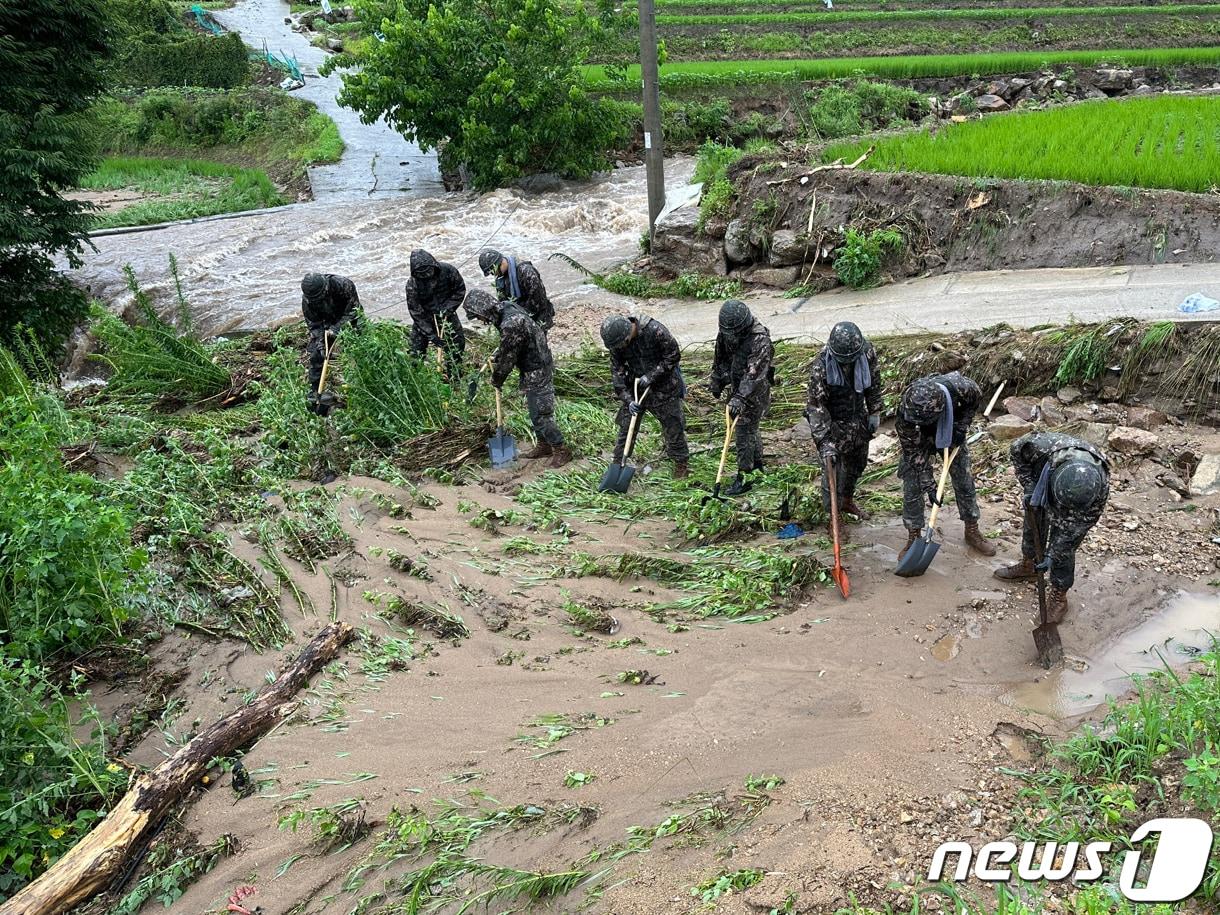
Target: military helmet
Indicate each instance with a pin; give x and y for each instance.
(481, 305)
(735, 316)
(616, 330)
(313, 286)
(489, 261)
(922, 402)
(1076, 484)
(845, 343)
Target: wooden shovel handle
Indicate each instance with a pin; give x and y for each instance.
(730, 424)
(499, 410)
(940, 490)
(635, 421)
(325, 363)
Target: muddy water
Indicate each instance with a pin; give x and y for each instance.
(1181, 629)
(243, 274)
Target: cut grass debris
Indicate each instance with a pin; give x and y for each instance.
(726, 883)
(1166, 141)
(432, 617)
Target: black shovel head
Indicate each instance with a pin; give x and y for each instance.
(918, 557)
(1050, 648)
(616, 478)
(503, 448)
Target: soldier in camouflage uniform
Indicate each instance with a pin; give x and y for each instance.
(935, 413)
(434, 294)
(518, 281)
(844, 410)
(1066, 481)
(329, 303)
(523, 347)
(643, 350)
(742, 366)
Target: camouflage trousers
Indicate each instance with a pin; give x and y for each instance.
(1068, 535)
(749, 440)
(849, 466)
(914, 497)
(669, 414)
(538, 387)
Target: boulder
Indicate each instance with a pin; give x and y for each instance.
(1025, 408)
(334, 44)
(1097, 413)
(1113, 79)
(989, 102)
(677, 247)
(779, 277)
(1094, 433)
(1068, 394)
(1051, 412)
(1132, 442)
(1145, 418)
(1143, 90)
(787, 249)
(1009, 427)
(1206, 478)
(737, 242)
(1016, 86)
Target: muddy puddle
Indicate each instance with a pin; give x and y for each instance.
(1182, 628)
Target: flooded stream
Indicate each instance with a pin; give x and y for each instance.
(1182, 628)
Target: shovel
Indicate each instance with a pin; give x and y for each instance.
(618, 476)
(503, 447)
(838, 573)
(921, 553)
(1046, 636)
(729, 426)
(325, 363)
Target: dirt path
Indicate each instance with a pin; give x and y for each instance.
(887, 715)
(377, 161)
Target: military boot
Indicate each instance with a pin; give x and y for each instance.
(912, 536)
(1016, 571)
(739, 485)
(1056, 605)
(541, 450)
(681, 470)
(851, 508)
(976, 541)
(562, 455)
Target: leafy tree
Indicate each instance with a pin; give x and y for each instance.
(494, 84)
(51, 54)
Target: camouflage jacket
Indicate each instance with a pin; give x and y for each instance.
(441, 296)
(533, 294)
(1029, 455)
(743, 363)
(836, 412)
(919, 442)
(653, 352)
(340, 306)
(522, 346)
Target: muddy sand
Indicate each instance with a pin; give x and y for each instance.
(889, 715)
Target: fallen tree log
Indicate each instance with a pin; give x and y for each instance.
(95, 860)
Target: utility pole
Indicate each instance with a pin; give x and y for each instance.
(654, 154)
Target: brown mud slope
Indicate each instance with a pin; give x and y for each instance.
(889, 716)
(950, 223)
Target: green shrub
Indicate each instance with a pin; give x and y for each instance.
(55, 786)
(714, 161)
(717, 200)
(858, 262)
(688, 123)
(843, 111)
(219, 62)
(65, 555)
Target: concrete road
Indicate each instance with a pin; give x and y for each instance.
(963, 301)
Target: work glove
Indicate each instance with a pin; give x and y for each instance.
(645, 381)
(736, 406)
(1045, 564)
(828, 451)
(716, 387)
(634, 408)
(874, 423)
(933, 500)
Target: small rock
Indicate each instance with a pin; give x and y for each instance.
(1094, 433)
(1051, 412)
(787, 248)
(1025, 408)
(229, 596)
(1145, 418)
(1206, 479)
(1132, 442)
(334, 44)
(1143, 90)
(976, 817)
(1131, 525)
(1068, 395)
(989, 102)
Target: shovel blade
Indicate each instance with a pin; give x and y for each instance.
(616, 478)
(1050, 648)
(503, 449)
(917, 559)
(839, 574)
